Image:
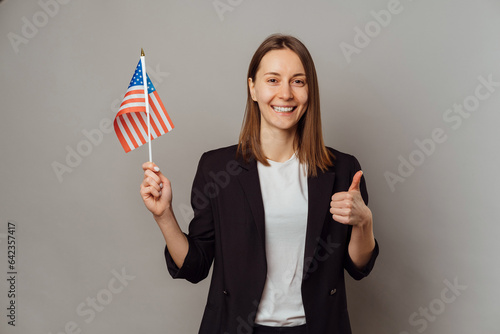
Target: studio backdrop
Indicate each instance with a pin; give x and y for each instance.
(410, 87)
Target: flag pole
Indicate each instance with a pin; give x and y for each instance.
(146, 97)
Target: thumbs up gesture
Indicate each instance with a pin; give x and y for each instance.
(348, 207)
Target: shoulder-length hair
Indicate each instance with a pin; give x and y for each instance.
(311, 150)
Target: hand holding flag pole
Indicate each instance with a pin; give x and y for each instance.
(142, 116)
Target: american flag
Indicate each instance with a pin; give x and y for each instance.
(131, 125)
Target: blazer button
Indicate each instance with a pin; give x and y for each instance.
(225, 292)
(332, 292)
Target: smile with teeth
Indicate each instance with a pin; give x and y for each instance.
(283, 109)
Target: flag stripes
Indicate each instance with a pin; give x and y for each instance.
(131, 120)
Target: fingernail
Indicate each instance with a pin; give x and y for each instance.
(160, 192)
(157, 169)
(161, 185)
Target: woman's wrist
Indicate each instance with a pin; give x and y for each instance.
(367, 222)
(364, 229)
(166, 217)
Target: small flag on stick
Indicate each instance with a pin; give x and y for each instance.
(134, 121)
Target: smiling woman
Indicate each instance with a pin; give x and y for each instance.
(281, 76)
(266, 226)
(280, 90)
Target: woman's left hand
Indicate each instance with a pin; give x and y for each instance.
(348, 207)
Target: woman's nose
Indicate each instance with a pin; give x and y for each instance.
(285, 92)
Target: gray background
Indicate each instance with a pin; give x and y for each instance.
(439, 225)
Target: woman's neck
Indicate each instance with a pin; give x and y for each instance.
(278, 146)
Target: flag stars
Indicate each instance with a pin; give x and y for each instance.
(138, 79)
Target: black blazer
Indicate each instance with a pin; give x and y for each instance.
(228, 229)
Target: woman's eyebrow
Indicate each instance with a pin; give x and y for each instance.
(277, 74)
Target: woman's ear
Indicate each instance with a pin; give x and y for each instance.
(251, 87)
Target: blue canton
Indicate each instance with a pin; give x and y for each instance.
(137, 79)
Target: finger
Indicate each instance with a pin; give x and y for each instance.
(150, 183)
(151, 166)
(356, 180)
(345, 212)
(147, 190)
(155, 192)
(148, 174)
(341, 204)
(151, 191)
(163, 179)
(342, 196)
(341, 219)
(152, 170)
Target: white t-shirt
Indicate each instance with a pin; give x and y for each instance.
(284, 193)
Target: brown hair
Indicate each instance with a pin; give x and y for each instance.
(311, 150)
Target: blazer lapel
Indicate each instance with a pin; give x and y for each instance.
(320, 191)
(249, 180)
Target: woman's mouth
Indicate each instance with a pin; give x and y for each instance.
(283, 109)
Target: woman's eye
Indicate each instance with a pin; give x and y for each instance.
(272, 80)
(299, 82)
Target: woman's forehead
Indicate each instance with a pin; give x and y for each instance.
(283, 61)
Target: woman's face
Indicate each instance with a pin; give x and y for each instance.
(280, 89)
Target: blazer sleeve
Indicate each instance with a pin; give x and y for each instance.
(349, 265)
(201, 237)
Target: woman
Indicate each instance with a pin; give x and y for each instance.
(280, 215)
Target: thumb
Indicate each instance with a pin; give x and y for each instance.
(356, 181)
(163, 178)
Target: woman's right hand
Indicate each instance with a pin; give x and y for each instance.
(156, 191)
